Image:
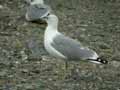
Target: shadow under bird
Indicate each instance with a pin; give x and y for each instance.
(61, 46)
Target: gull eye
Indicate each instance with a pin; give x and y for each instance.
(31, 0)
(48, 14)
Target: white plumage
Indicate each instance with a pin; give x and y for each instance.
(64, 47)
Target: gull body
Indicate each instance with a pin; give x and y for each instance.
(37, 2)
(36, 10)
(33, 2)
(64, 47)
(50, 34)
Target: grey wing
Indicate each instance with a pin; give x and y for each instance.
(34, 12)
(71, 48)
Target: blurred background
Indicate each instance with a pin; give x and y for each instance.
(25, 65)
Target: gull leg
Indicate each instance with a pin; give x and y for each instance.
(63, 71)
(66, 70)
(66, 65)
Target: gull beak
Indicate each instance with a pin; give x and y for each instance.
(45, 17)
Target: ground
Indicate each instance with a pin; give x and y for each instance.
(24, 63)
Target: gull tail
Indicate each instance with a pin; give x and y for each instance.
(99, 61)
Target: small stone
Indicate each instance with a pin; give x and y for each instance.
(1, 7)
(10, 76)
(17, 33)
(36, 71)
(24, 70)
(82, 29)
(24, 56)
(23, 80)
(29, 87)
(89, 35)
(17, 62)
(104, 46)
(25, 24)
(50, 79)
(85, 25)
(38, 62)
(3, 73)
(19, 86)
(116, 64)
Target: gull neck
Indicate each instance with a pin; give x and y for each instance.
(52, 25)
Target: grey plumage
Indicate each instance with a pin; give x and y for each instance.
(36, 11)
(71, 49)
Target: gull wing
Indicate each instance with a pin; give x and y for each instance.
(71, 48)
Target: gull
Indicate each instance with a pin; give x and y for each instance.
(36, 9)
(32, 2)
(61, 46)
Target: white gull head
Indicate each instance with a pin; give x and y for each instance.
(52, 20)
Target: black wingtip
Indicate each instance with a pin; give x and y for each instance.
(101, 60)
